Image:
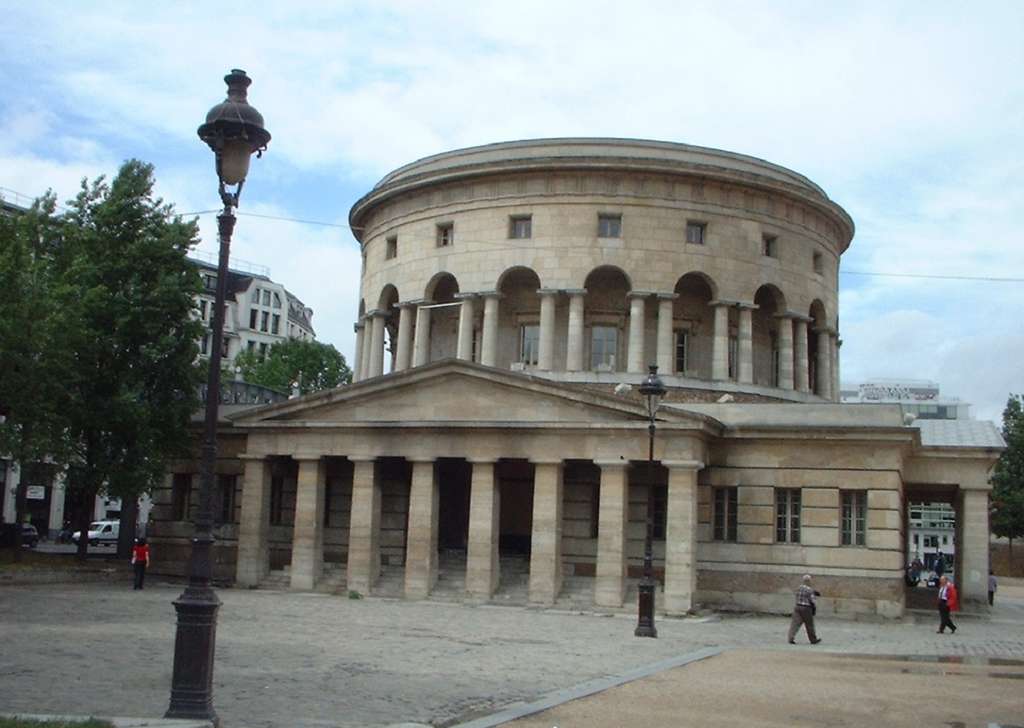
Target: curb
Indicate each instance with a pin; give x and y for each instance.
(586, 689)
(118, 722)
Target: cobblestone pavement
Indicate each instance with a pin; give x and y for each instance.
(305, 660)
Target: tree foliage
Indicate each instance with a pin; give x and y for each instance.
(1008, 476)
(313, 365)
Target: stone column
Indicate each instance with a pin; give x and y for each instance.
(546, 538)
(467, 314)
(824, 363)
(785, 351)
(972, 548)
(421, 345)
(546, 349)
(836, 343)
(745, 345)
(720, 342)
(12, 480)
(637, 324)
(489, 345)
(421, 545)
(308, 534)
(574, 339)
(403, 357)
(364, 362)
(610, 584)
(483, 570)
(377, 343)
(800, 355)
(56, 522)
(254, 526)
(681, 537)
(357, 359)
(364, 529)
(666, 352)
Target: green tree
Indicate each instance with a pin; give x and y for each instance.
(33, 365)
(1008, 476)
(128, 289)
(313, 365)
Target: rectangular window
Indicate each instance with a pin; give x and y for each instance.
(264, 321)
(391, 248)
(529, 343)
(250, 345)
(682, 351)
(770, 246)
(276, 500)
(724, 514)
(226, 497)
(277, 301)
(853, 529)
(225, 342)
(253, 318)
(787, 515)
(595, 510)
(275, 323)
(210, 282)
(181, 496)
(774, 338)
(202, 310)
(609, 226)
(734, 356)
(660, 512)
(263, 351)
(328, 502)
(204, 345)
(695, 232)
(819, 263)
(520, 226)
(266, 297)
(445, 235)
(604, 345)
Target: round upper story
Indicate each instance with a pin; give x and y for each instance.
(617, 218)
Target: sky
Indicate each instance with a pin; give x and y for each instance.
(910, 115)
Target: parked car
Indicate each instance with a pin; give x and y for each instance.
(100, 532)
(29, 534)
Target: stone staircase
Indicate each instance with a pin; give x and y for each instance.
(390, 583)
(451, 577)
(277, 580)
(333, 580)
(514, 585)
(577, 593)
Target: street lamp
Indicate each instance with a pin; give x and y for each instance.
(234, 130)
(652, 391)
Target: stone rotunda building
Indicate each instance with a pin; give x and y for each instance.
(489, 450)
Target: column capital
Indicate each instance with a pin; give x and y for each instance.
(747, 305)
(640, 294)
(411, 302)
(358, 326)
(482, 461)
(491, 294)
(667, 296)
(723, 302)
(799, 317)
(824, 330)
(683, 464)
(420, 459)
(546, 461)
(464, 296)
(307, 457)
(575, 291)
(547, 291)
(611, 463)
(362, 458)
(377, 312)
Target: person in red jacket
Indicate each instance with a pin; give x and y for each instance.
(140, 560)
(948, 602)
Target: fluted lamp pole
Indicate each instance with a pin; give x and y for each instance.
(234, 130)
(652, 390)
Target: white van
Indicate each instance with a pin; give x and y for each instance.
(100, 532)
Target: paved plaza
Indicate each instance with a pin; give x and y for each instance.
(305, 660)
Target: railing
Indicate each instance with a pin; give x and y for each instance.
(243, 393)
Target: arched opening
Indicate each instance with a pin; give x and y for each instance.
(819, 321)
(606, 319)
(765, 331)
(388, 303)
(693, 324)
(444, 316)
(518, 319)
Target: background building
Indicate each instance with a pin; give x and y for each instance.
(918, 397)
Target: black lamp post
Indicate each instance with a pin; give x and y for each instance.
(234, 130)
(652, 390)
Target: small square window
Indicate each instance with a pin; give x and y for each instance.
(770, 246)
(391, 248)
(609, 226)
(520, 227)
(695, 232)
(819, 263)
(445, 234)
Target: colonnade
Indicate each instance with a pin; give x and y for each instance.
(482, 563)
(412, 345)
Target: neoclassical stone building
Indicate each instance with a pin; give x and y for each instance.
(490, 448)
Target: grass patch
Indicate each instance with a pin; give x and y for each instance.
(26, 723)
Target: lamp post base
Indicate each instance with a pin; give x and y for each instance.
(192, 684)
(645, 621)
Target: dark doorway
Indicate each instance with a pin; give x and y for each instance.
(453, 479)
(515, 478)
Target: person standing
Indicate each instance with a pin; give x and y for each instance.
(992, 585)
(140, 560)
(947, 603)
(803, 612)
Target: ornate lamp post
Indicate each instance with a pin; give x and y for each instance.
(234, 130)
(652, 390)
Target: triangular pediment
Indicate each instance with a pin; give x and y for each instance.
(452, 391)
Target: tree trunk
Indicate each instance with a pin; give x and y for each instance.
(85, 518)
(126, 534)
(20, 500)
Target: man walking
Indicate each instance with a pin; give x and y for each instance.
(803, 612)
(947, 603)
